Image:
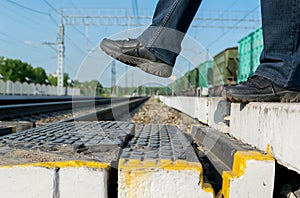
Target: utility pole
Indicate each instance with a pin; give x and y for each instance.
(60, 60)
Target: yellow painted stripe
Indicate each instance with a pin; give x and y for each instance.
(63, 164)
(161, 164)
(239, 166)
(269, 150)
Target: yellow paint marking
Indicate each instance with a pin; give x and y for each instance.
(269, 150)
(64, 164)
(239, 166)
(161, 164)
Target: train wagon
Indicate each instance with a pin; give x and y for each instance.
(205, 74)
(225, 68)
(250, 48)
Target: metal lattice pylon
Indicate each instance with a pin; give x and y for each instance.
(121, 17)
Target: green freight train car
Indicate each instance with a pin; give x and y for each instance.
(205, 74)
(225, 68)
(250, 48)
(193, 78)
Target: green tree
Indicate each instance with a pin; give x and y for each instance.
(52, 80)
(16, 70)
(40, 75)
(92, 87)
(95, 84)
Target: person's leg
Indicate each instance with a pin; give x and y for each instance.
(156, 49)
(278, 76)
(280, 59)
(171, 20)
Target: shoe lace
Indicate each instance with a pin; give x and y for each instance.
(252, 80)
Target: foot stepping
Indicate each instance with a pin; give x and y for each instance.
(160, 162)
(61, 160)
(244, 171)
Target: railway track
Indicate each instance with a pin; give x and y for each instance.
(13, 100)
(39, 113)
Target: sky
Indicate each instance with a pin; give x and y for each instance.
(29, 29)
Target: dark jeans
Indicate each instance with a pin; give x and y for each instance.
(170, 22)
(280, 59)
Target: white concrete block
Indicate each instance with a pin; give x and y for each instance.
(209, 111)
(273, 124)
(201, 110)
(192, 106)
(78, 182)
(218, 108)
(257, 181)
(26, 182)
(153, 182)
(186, 105)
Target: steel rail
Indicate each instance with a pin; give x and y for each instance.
(10, 100)
(113, 112)
(20, 110)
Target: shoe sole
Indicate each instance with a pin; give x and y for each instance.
(154, 68)
(285, 96)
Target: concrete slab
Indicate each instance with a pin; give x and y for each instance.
(78, 182)
(218, 108)
(160, 162)
(239, 165)
(210, 111)
(271, 126)
(186, 105)
(79, 156)
(26, 182)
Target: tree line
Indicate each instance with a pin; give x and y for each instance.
(16, 70)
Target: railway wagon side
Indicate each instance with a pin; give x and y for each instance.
(225, 67)
(249, 50)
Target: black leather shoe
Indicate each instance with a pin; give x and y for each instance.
(259, 89)
(132, 52)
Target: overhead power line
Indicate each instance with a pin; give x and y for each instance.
(236, 24)
(51, 6)
(71, 2)
(27, 8)
(33, 10)
(205, 19)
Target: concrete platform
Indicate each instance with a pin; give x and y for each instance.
(61, 160)
(274, 127)
(210, 111)
(245, 172)
(160, 162)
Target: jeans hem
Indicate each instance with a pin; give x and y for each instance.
(162, 57)
(156, 54)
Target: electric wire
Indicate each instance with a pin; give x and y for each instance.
(235, 25)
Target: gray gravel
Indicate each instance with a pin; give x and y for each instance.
(155, 112)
